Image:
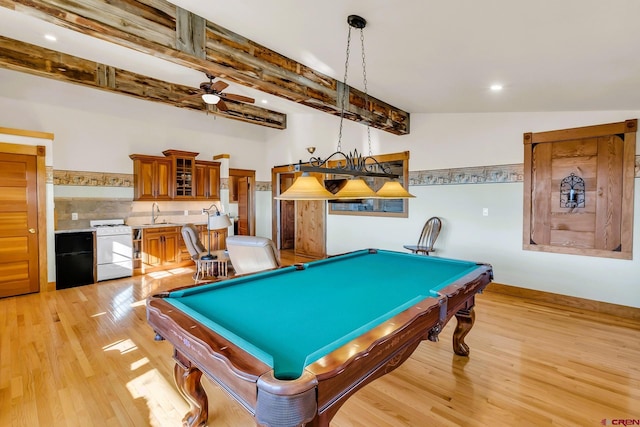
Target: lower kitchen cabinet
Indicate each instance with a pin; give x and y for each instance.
(162, 248)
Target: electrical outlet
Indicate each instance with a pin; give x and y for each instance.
(186, 212)
(74, 216)
(485, 211)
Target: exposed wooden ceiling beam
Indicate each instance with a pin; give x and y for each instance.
(28, 58)
(161, 29)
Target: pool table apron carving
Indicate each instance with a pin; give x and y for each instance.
(325, 384)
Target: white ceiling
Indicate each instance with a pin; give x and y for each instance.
(422, 56)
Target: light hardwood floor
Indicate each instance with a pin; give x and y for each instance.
(85, 356)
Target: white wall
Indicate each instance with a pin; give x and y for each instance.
(463, 140)
(97, 131)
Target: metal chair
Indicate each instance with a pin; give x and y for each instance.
(427, 238)
(205, 268)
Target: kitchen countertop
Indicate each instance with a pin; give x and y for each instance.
(164, 224)
(82, 228)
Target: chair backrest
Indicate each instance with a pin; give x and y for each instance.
(249, 254)
(192, 241)
(430, 233)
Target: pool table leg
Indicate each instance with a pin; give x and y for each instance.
(187, 379)
(466, 318)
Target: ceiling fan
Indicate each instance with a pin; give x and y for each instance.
(211, 93)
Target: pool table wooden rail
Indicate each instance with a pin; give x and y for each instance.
(328, 382)
(222, 360)
(381, 350)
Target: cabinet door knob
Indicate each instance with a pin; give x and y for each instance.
(32, 230)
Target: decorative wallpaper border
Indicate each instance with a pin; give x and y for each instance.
(470, 175)
(92, 179)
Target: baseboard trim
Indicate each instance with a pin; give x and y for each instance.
(569, 301)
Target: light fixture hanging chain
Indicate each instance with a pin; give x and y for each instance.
(344, 90)
(366, 92)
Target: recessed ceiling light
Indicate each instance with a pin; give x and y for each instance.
(50, 37)
(496, 87)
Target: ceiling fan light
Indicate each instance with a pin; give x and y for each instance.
(393, 190)
(210, 98)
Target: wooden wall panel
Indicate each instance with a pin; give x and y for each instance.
(609, 184)
(572, 239)
(541, 201)
(602, 156)
(573, 222)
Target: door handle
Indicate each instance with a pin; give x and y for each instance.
(32, 230)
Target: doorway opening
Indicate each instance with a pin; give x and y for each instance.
(242, 192)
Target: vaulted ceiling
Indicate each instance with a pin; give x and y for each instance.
(422, 56)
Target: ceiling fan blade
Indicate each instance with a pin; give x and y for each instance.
(235, 97)
(222, 106)
(219, 86)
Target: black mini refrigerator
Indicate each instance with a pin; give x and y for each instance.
(75, 262)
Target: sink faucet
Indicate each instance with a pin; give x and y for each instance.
(155, 212)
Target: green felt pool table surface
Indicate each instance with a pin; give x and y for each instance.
(290, 317)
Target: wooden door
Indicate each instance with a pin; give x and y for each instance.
(200, 181)
(152, 249)
(152, 177)
(162, 179)
(310, 228)
(207, 181)
(213, 182)
(171, 246)
(287, 214)
(18, 225)
(310, 219)
(242, 190)
(579, 190)
(243, 206)
(143, 175)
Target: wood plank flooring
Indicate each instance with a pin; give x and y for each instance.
(86, 357)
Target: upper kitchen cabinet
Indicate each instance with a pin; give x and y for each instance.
(207, 183)
(184, 165)
(177, 176)
(152, 177)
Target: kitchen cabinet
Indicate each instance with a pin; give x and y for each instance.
(160, 246)
(183, 179)
(207, 183)
(177, 176)
(218, 239)
(151, 177)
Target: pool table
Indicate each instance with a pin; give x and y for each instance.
(293, 343)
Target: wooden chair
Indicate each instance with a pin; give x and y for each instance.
(427, 238)
(205, 269)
